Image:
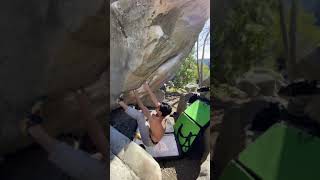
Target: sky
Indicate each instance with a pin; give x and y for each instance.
(201, 38)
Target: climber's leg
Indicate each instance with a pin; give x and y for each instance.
(143, 125)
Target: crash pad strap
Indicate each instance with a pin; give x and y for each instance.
(192, 120)
(248, 170)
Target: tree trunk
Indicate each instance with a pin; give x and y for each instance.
(203, 48)
(284, 30)
(292, 34)
(198, 68)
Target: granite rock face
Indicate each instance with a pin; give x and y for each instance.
(260, 82)
(129, 160)
(205, 170)
(307, 68)
(150, 39)
(52, 48)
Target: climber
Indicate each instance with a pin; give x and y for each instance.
(152, 129)
(75, 163)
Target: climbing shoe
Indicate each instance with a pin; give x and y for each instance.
(137, 135)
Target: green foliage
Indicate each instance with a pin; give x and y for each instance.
(251, 37)
(206, 72)
(245, 40)
(187, 72)
(175, 90)
(308, 34)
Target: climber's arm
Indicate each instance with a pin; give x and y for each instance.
(123, 105)
(144, 109)
(151, 94)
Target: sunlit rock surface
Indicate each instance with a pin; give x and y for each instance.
(149, 40)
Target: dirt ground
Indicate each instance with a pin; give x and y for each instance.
(182, 169)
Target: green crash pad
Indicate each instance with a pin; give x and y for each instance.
(191, 122)
(199, 111)
(283, 153)
(188, 126)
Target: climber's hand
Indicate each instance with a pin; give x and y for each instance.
(121, 102)
(120, 99)
(146, 86)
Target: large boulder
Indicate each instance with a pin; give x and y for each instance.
(129, 161)
(158, 93)
(305, 105)
(183, 102)
(53, 48)
(50, 48)
(260, 81)
(307, 68)
(150, 39)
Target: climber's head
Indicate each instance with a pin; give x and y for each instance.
(163, 110)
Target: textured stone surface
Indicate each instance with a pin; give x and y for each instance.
(308, 69)
(147, 100)
(48, 48)
(136, 158)
(260, 82)
(248, 87)
(150, 38)
(55, 47)
(119, 170)
(205, 169)
(183, 101)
